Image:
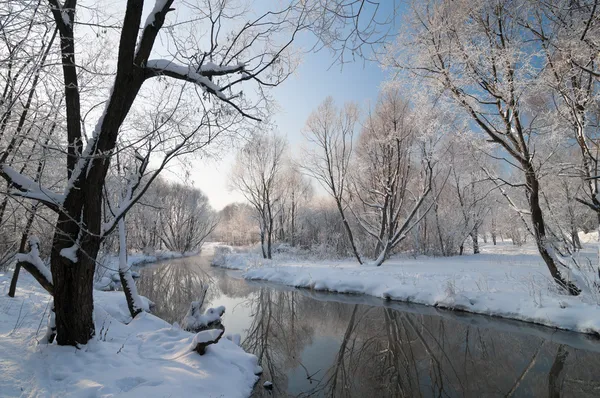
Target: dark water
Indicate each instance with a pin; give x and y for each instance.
(313, 344)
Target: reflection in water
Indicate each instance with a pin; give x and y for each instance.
(313, 347)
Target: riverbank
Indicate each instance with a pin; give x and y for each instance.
(140, 358)
(504, 281)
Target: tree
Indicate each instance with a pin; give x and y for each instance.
(216, 67)
(481, 56)
(298, 191)
(567, 33)
(393, 174)
(331, 131)
(186, 218)
(257, 174)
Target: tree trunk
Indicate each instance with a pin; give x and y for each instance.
(262, 243)
(269, 238)
(348, 230)
(22, 246)
(129, 288)
(539, 228)
(439, 230)
(385, 249)
(475, 239)
(73, 296)
(576, 241)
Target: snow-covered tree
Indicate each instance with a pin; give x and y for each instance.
(482, 57)
(209, 55)
(393, 173)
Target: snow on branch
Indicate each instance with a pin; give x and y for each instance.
(158, 9)
(34, 265)
(201, 76)
(27, 188)
(194, 321)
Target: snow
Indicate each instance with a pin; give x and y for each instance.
(65, 17)
(195, 321)
(205, 336)
(146, 357)
(70, 253)
(33, 258)
(158, 6)
(504, 281)
(33, 189)
(189, 73)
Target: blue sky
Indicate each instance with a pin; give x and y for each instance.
(314, 80)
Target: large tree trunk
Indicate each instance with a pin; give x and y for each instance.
(262, 242)
(385, 249)
(73, 296)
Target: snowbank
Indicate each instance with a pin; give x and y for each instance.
(504, 281)
(147, 357)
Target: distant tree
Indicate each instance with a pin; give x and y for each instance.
(186, 218)
(393, 174)
(297, 191)
(258, 175)
(331, 131)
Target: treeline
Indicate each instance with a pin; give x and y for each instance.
(171, 216)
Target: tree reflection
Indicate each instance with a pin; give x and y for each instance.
(310, 347)
(388, 353)
(172, 286)
(277, 334)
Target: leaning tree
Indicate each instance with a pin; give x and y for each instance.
(224, 51)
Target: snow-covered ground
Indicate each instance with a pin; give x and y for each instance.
(504, 280)
(145, 358)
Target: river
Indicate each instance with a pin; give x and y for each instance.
(321, 345)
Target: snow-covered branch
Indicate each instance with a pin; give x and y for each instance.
(201, 76)
(35, 266)
(25, 187)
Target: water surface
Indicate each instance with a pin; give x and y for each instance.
(321, 345)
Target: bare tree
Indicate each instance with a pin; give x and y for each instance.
(207, 72)
(393, 174)
(298, 190)
(186, 218)
(257, 174)
(331, 131)
(481, 56)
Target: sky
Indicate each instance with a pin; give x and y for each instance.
(314, 80)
